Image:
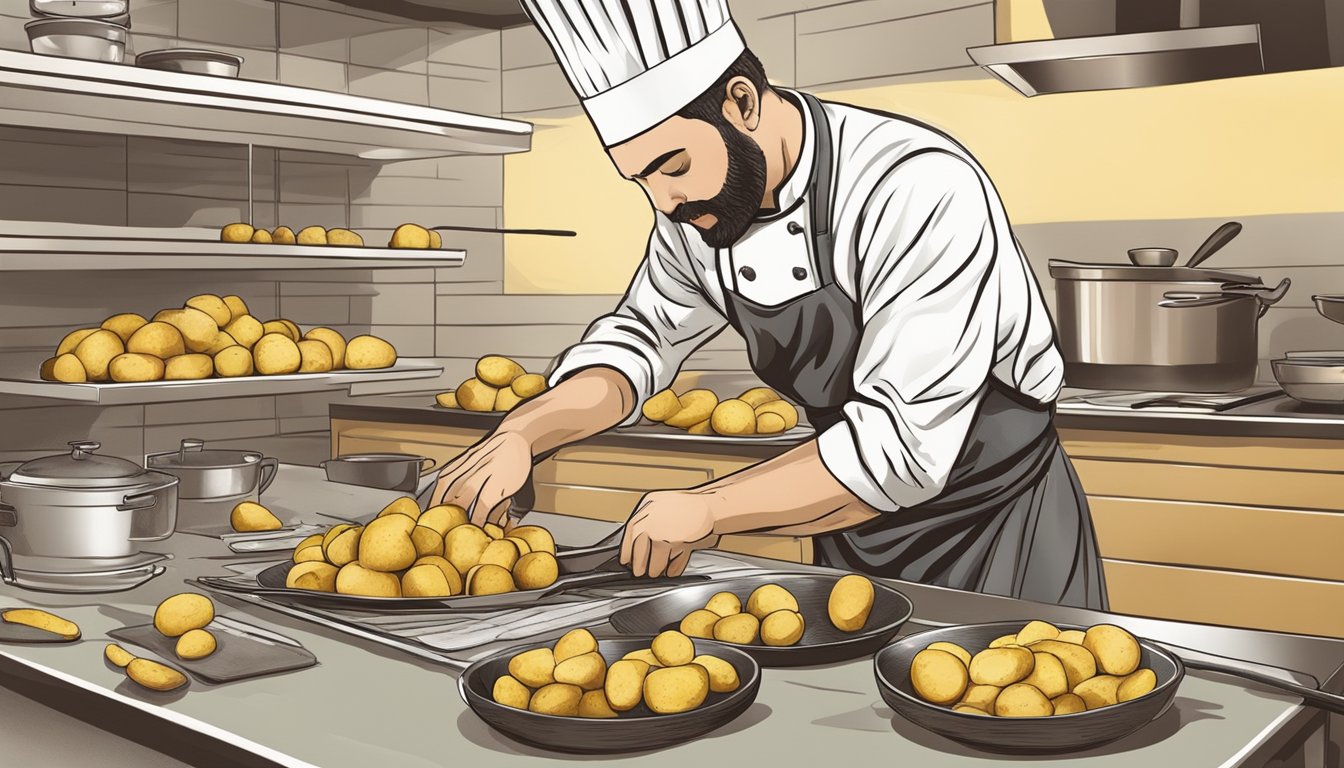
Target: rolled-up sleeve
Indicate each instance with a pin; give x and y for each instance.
(663, 318)
(929, 302)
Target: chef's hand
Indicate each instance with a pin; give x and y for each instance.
(486, 475)
(665, 529)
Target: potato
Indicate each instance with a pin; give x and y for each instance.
(155, 676)
(498, 371)
(182, 613)
(333, 532)
(506, 400)
(770, 424)
(768, 598)
(233, 362)
(1116, 651)
(536, 570)
(118, 655)
(447, 400)
(624, 686)
(251, 516)
(222, 342)
(344, 238)
(782, 628)
(246, 330)
(1074, 636)
(697, 405)
(676, 689)
(981, 697)
(724, 604)
(594, 705)
(1037, 630)
(1000, 642)
(275, 326)
(733, 417)
(672, 649)
(450, 573)
(493, 531)
(314, 540)
(759, 396)
(1100, 691)
(1136, 684)
(284, 236)
(197, 328)
(782, 409)
(386, 544)
(369, 352)
(1078, 662)
(262, 237)
(511, 693)
(476, 395)
(501, 552)
(213, 306)
(741, 628)
(195, 644)
(1068, 704)
(850, 603)
(1001, 666)
(938, 676)
(344, 548)
(1047, 676)
(426, 541)
(238, 307)
(311, 236)
(133, 367)
(967, 709)
(529, 385)
(72, 339)
(699, 624)
(237, 233)
(575, 642)
(47, 370)
(404, 506)
(124, 325)
(1021, 700)
(276, 354)
(523, 548)
(158, 339)
(189, 367)
(489, 579)
(538, 538)
(426, 581)
(409, 236)
(588, 671)
(294, 332)
(68, 369)
(443, 517)
(723, 677)
(309, 554)
(661, 406)
(534, 668)
(435, 240)
(464, 545)
(557, 699)
(703, 428)
(955, 650)
(355, 579)
(645, 655)
(315, 357)
(332, 339)
(96, 351)
(312, 576)
(38, 619)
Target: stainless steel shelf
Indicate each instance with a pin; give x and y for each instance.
(70, 94)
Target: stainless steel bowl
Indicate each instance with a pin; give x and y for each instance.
(389, 471)
(78, 39)
(191, 60)
(1153, 257)
(1320, 382)
(107, 10)
(214, 474)
(1330, 307)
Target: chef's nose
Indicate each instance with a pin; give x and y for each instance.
(668, 198)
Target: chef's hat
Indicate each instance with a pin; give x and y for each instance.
(635, 63)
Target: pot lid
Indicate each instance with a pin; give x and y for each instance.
(192, 454)
(81, 468)
(1070, 270)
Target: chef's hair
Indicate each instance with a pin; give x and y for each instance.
(708, 106)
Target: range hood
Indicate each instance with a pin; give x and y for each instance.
(1138, 60)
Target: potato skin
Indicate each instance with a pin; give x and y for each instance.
(588, 671)
(781, 408)
(538, 538)
(124, 325)
(313, 576)
(1021, 700)
(238, 307)
(981, 697)
(246, 330)
(557, 699)
(733, 417)
(768, 598)
(576, 642)
(850, 603)
(132, 367)
(1079, 664)
(96, 351)
(355, 579)
(661, 406)
(447, 400)
(345, 238)
(938, 677)
(1068, 704)
(197, 328)
(476, 395)
(284, 236)
(955, 650)
(155, 676)
(183, 612)
(697, 405)
(534, 668)
(386, 544)
(368, 353)
(507, 400)
(276, 354)
(332, 339)
(594, 705)
(498, 371)
(1138, 683)
(490, 579)
(723, 677)
(1001, 667)
(529, 385)
(1100, 691)
(196, 644)
(189, 367)
(117, 655)
(724, 604)
(39, 619)
(1037, 630)
(68, 369)
(463, 546)
(157, 338)
(511, 693)
(770, 424)
(1116, 651)
(311, 236)
(742, 629)
(759, 396)
(673, 649)
(699, 623)
(676, 689)
(262, 237)
(213, 306)
(233, 362)
(315, 357)
(624, 685)
(72, 339)
(782, 628)
(251, 516)
(236, 233)
(1048, 676)
(409, 236)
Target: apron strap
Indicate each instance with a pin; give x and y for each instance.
(823, 242)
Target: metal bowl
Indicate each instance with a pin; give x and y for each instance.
(108, 10)
(1025, 735)
(1330, 307)
(638, 730)
(191, 60)
(1320, 382)
(78, 39)
(389, 471)
(1153, 257)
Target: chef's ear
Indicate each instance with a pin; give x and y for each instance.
(742, 107)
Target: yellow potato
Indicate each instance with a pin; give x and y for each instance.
(587, 671)
(72, 339)
(409, 236)
(314, 540)
(435, 240)
(275, 326)
(182, 613)
(1001, 666)
(661, 406)
(594, 705)
(133, 367)
(703, 428)
(313, 576)
(955, 650)
(443, 517)
(523, 548)
(768, 598)
(476, 395)
(251, 516)
(222, 342)
(676, 689)
(724, 604)
(315, 357)
(782, 628)
(575, 642)
(672, 649)
(333, 532)
(237, 233)
(699, 624)
(386, 544)
(967, 709)
(536, 570)
(1048, 676)
(529, 385)
(450, 573)
(447, 400)
(506, 400)
(1136, 684)
(733, 417)
(344, 237)
(697, 405)
(782, 409)
(294, 332)
(38, 619)
(344, 548)
(501, 552)
(427, 541)
(332, 339)
(155, 676)
(770, 424)
(238, 307)
(1000, 642)
(233, 362)
(47, 371)
(311, 236)
(498, 371)
(404, 506)
(124, 325)
(557, 699)
(426, 581)
(981, 697)
(68, 369)
(1037, 630)
(196, 644)
(276, 354)
(355, 579)
(311, 553)
(263, 237)
(118, 655)
(511, 693)
(1116, 651)
(1068, 704)
(850, 603)
(1021, 700)
(938, 676)
(464, 545)
(723, 677)
(538, 538)
(96, 351)
(213, 306)
(741, 628)
(759, 396)
(489, 579)
(246, 330)
(369, 352)
(534, 668)
(624, 686)
(1100, 691)
(189, 367)
(284, 236)
(1078, 662)
(197, 328)
(1074, 636)
(493, 531)
(645, 655)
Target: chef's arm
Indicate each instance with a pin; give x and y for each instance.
(589, 402)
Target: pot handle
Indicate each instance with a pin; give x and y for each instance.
(269, 468)
(1267, 299)
(140, 506)
(427, 466)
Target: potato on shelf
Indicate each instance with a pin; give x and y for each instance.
(758, 411)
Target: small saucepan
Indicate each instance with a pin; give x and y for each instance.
(390, 471)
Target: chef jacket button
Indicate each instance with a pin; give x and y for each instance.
(747, 273)
(795, 228)
(799, 273)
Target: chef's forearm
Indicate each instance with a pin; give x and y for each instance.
(790, 495)
(591, 401)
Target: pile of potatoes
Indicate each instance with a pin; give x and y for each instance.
(405, 236)
(209, 336)
(436, 553)
(184, 616)
(759, 411)
(500, 384)
(1038, 672)
(572, 678)
(772, 616)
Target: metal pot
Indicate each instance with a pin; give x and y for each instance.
(391, 471)
(84, 505)
(214, 474)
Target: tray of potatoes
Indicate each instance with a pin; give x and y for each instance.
(585, 695)
(1028, 687)
(758, 412)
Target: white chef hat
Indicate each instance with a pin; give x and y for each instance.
(635, 63)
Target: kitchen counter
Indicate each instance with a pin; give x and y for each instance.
(367, 704)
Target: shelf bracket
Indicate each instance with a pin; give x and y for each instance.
(251, 183)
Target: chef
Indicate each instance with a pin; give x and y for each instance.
(868, 263)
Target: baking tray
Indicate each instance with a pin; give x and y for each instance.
(243, 651)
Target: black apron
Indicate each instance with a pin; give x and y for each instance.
(1012, 519)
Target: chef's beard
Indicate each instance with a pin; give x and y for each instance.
(736, 205)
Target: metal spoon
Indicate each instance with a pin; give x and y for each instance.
(1220, 237)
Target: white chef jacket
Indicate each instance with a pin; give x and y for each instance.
(946, 299)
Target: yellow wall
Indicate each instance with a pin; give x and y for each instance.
(1250, 146)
